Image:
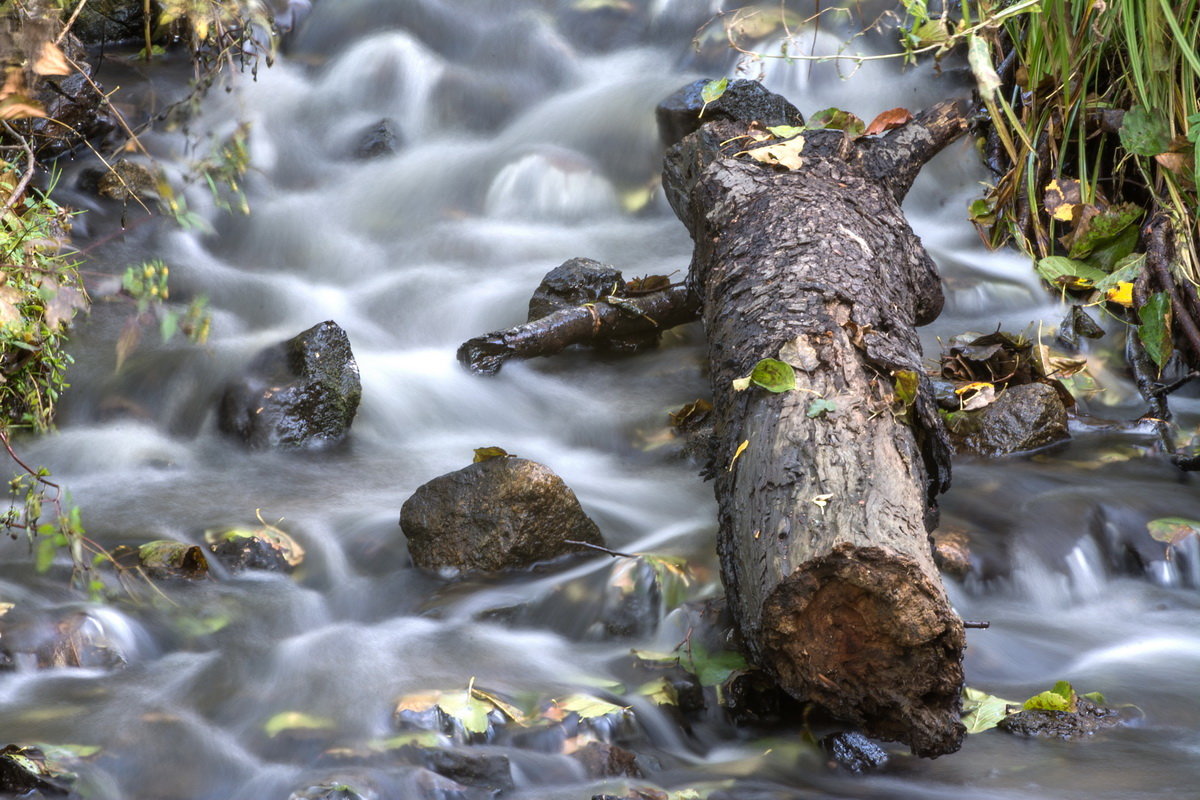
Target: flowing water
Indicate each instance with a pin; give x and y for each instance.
(524, 131)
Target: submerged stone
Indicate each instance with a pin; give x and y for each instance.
(378, 140)
(854, 752)
(501, 513)
(1087, 718)
(299, 394)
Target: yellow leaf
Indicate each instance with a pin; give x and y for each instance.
(785, 154)
(51, 61)
(972, 387)
(741, 448)
(822, 500)
(17, 107)
(1121, 294)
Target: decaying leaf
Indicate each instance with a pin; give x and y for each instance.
(741, 448)
(486, 453)
(646, 285)
(979, 57)
(1145, 132)
(837, 119)
(584, 705)
(785, 154)
(907, 384)
(1173, 531)
(10, 298)
(886, 120)
(691, 415)
(50, 60)
(1069, 273)
(1062, 199)
(1107, 235)
(976, 395)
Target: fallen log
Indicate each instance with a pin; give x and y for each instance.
(824, 509)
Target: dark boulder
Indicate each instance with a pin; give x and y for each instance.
(492, 515)
(107, 22)
(1022, 418)
(301, 393)
(378, 140)
(679, 114)
(573, 283)
(605, 760)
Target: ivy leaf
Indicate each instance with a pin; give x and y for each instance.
(1155, 328)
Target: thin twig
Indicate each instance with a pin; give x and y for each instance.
(613, 553)
(30, 164)
(67, 28)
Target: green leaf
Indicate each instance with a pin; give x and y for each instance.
(1060, 271)
(296, 720)
(982, 711)
(1126, 270)
(711, 669)
(46, 550)
(1173, 530)
(1095, 697)
(1060, 698)
(819, 407)
(1145, 132)
(169, 325)
(773, 375)
(837, 119)
(711, 92)
(1155, 328)
(470, 711)
(785, 131)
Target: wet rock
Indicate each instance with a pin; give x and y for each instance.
(44, 640)
(679, 114)
(854, 752)
(164, 559)
(573, 283)
(331, 791)
(604, 760)
(1022, 418)
(24, 771)
(952, 551)
(127, 180)
(267, 548)
(381, 139)
(301, 393)
(76, 112)
(478, 102)
(468, 768)
(1088, 718)
(496, 514)
(106, 22)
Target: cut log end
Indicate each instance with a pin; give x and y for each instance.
(867, 634)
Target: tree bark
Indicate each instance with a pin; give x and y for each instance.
(824, 516)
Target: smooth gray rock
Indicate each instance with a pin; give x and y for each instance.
(1022, 418)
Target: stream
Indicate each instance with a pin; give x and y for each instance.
(526, 136)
